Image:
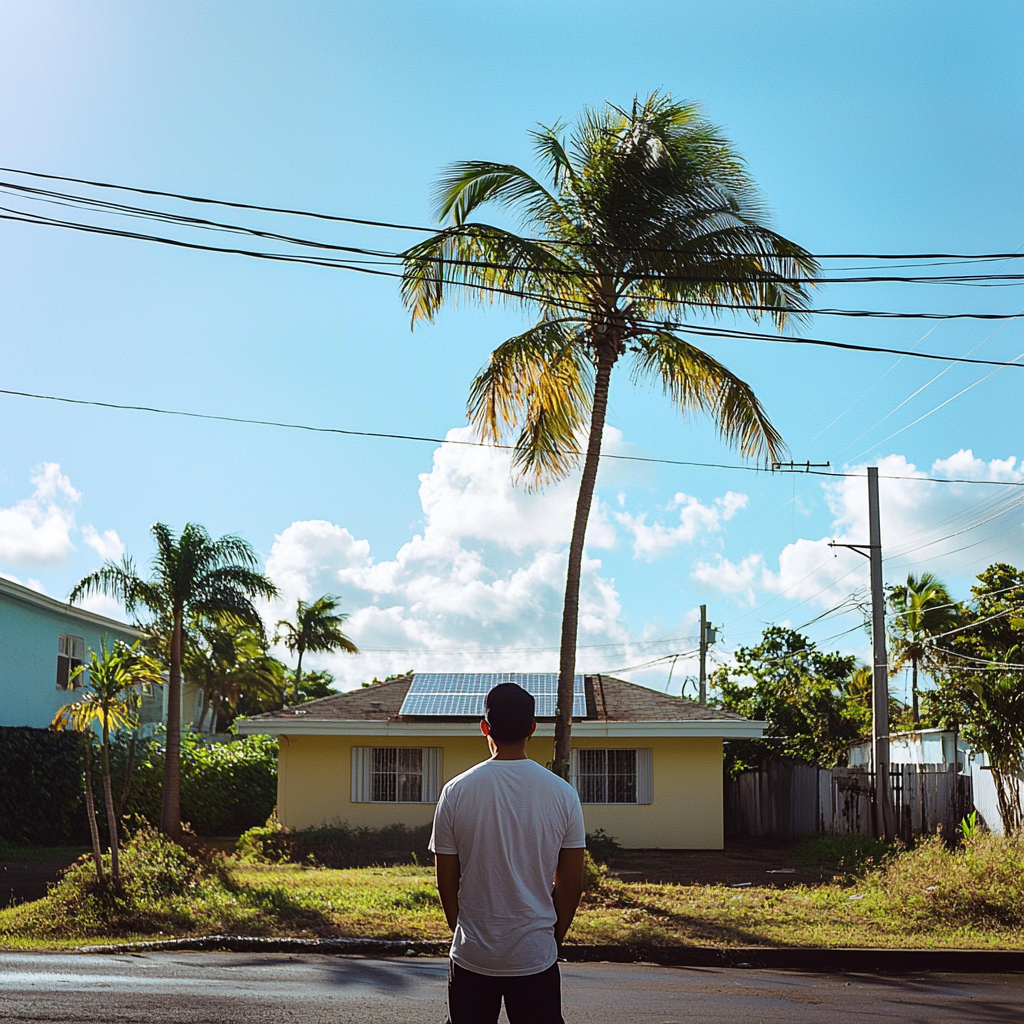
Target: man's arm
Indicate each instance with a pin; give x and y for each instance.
(568, 888)
(448, 871)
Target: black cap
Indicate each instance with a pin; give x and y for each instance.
(509, 711)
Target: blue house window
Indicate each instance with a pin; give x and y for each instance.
(70, 656)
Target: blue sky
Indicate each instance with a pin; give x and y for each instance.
(870, 127)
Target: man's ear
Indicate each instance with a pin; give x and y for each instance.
(533, 728)
(484, 727)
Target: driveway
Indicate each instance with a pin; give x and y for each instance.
(233, 988)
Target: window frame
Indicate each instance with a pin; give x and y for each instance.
(637, 789)
(71, 655)
(368, 778)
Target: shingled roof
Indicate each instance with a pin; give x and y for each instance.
(608, 700)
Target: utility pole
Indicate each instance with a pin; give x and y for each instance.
(880, 665)
(884, 824)
(708, 635)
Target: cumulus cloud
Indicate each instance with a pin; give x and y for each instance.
(37, 530)
(106, 544)
(949, 528)
(650, 541)
(731, 577)
(486, 572)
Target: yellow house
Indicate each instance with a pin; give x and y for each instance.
(647, 767)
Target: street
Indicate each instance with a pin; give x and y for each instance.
(227, 988)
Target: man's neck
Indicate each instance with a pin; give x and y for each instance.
(508, 751)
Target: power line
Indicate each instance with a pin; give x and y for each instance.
(185, 197)
(279, 424)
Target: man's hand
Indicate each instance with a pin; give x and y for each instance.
(568, 889)
(449, 871)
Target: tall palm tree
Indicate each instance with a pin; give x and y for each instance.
(110, 700)
(922, 609)
(649, 214)
(317, 628)
(193, 577)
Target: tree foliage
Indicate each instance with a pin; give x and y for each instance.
(812, 700)
(318, 629)
(981, 682)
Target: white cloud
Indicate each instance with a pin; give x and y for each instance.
(32, 584)
(107, 544)
(947, 528)
(652, 541)
(731, 577)
(37, 530)
(486, 572)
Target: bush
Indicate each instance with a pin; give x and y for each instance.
(979, 884)
(337, 846)
(226, 788)
(41, 789)
(853, 852)
(601, 846)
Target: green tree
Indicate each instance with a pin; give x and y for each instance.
(981, 682)
(318, 629)
(648, 214)
(109, 700)
(812, 701)
(229, 660)
(313, 685)
(922, 609)
(194, 578)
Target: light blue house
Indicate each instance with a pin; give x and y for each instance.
(42, 641)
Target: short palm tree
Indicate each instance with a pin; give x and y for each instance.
(229, 660)
(648, 214)
(922, 609)
(194, 577)
(116, 676)
(317, 628)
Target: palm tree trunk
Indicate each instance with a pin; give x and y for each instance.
(913, 695)
(170, 809)
(571, 607)
(298, 676)
(126, 789)
(90, 809)
(108, 800)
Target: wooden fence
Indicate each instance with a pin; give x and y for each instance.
(785, 800)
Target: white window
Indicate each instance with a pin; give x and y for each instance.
(396, 775)
(613, 776)
(70, 656)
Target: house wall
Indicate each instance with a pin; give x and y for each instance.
(314, 787)
(28, 660)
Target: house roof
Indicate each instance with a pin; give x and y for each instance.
(614, 707)
(8, 588)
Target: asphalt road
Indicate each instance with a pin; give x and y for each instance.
(234, 988)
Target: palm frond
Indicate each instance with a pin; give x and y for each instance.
(697, 382)
(541, 382)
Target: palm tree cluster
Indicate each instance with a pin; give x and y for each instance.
(642, 215)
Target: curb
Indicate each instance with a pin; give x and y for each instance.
(885, 961)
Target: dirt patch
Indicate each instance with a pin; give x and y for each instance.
(738, 863)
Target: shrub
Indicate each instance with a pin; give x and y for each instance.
(601, 846)
(337, 846)
(979, 884)
(226, 788)
(853, 852)
(593, 873)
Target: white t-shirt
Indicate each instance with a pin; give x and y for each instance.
(507, 822)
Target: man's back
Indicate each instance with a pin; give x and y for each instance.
(507, 821)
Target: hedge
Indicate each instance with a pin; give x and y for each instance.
(42, 792)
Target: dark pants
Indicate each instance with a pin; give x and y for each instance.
(529, 998)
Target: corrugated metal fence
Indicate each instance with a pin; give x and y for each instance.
(785, 800)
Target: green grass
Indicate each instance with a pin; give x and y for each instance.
(928, 897)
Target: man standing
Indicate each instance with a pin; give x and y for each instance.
(503, 833)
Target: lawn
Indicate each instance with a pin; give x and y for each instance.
(168, 893)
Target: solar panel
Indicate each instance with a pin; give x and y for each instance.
(461, 694)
